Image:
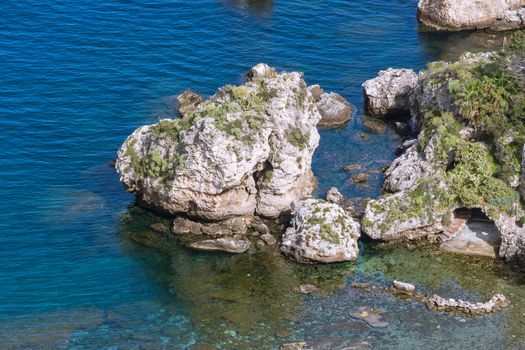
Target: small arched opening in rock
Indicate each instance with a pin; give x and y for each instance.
(472, 233)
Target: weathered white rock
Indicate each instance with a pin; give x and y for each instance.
(455, 15)
(335, 110)
(334, 196)
(223, 244)
(512, 19)
(260, 70)
(435, 302)
(247, 150)
(321, 232)
(389, 92)
(404, 287)
(406, 170)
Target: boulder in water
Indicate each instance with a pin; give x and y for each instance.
(321, 232)
(389, 92)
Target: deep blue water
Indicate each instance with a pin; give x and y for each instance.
(79, 76)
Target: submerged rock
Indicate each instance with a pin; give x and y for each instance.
(389, 92)
(229, 227)
(455, 15)
(373, 317)
(321, 232)
(223, 244)
(247, 150)
(359, 178)
(374, 125)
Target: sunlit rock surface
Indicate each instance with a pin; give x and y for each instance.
(321, 232)
(246, 150)
(467, 154)
(389, 92)
(454, 15)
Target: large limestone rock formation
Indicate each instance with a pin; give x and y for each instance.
(468, 155)
(246, 150)
(389, 92)
(455, 15)
(321, 232)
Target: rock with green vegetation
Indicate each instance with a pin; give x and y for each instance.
(471, 118)
(246, 150)
(455, 15)
(321, 232)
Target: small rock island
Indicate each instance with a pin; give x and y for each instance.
(242, 156)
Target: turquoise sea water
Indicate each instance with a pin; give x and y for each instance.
(79, 76)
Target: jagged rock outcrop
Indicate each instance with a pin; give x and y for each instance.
(321, 232)
(246, 150)
(467, 155)
(334, 196)
(455, 15)
(335, 110)
(389, 92)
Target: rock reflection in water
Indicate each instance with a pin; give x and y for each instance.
(257, 7)
(450, 46)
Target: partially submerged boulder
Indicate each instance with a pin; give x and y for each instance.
(223, 244)
(455, 15)
(389, 92)
(321, 232)
(188, 101)
(335, 110)
(246, 150)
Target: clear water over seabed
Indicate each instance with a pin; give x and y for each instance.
(78, 77)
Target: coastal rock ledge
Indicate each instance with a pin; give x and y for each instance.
(467, 156)
(247, 150)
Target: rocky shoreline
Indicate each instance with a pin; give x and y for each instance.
(233, 172)
(467, 154)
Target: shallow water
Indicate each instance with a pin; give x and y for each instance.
(78, 77)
